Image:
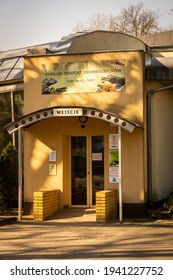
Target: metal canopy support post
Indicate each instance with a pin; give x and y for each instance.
(19, 174)
(120, 180)
(12, 115)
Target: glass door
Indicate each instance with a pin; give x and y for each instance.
(87, 169)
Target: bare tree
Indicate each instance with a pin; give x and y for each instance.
(97, 22)
(137, 21)
(133, 20)
(80, 26)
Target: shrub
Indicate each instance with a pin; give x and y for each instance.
(8, 176)
(168, 205)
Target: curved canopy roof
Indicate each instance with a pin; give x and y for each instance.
(53, 112)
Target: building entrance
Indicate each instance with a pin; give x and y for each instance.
(87, 169)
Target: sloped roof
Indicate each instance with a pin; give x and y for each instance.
(11, 62)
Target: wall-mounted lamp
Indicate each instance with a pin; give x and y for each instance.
(83, 119)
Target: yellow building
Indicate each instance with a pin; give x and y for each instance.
(88, 124)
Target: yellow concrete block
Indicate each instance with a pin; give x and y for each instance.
(45, 203)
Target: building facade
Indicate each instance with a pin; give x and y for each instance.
(95, 115)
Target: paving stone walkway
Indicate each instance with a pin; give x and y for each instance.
(74, 234)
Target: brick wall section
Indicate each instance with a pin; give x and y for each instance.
(45, 204)
(106, 205)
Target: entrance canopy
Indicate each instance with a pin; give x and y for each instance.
(52, 112)
(83, 113)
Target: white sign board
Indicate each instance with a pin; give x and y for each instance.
(113, 158)
(62, 112)
(113, 141)
(114, 174)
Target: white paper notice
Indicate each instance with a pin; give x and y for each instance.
(114, 174)
(52, 156)
(97, 156)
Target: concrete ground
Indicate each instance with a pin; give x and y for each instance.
(74, 234)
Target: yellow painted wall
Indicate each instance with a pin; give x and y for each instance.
(128, 104)
(133, 162)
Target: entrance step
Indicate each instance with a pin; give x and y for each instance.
(74, 215)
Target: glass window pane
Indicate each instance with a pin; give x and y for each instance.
(79, 165)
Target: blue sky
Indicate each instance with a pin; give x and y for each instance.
(30, 22)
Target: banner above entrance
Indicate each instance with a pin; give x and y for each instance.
(34, 117)
(83, 76)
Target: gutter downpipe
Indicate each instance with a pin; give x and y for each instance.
(149, 139)
(19, 175)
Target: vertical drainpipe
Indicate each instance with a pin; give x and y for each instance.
(19, 174)
(149, 138)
